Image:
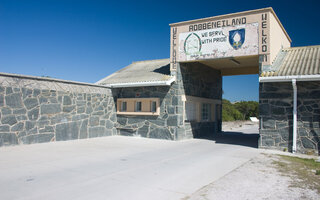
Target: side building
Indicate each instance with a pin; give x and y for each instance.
(152, 103)
(290, 101)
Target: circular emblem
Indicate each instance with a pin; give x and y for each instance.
(192, 44)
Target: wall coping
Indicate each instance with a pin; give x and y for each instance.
(50, 80)
(290, 78)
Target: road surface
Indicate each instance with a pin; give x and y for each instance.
(116, 167)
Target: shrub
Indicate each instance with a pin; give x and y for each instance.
(240, 110)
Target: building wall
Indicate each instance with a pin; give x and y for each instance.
(163, 126)
(199, 80)
(192, 79)
(278, 38)
(36, 110)
(267, 30)
(276, 104)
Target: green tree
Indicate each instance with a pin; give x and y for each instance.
(239, 111)
(248, 109)
(229, 112)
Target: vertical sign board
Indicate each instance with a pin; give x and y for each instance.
(232, 41)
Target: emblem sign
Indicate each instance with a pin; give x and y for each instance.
(223, 42)
(192, 44)
(237, 37)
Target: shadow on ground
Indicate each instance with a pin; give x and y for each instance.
(235, 138)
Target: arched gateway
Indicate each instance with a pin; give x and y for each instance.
(180, 97)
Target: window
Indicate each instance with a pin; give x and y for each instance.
(206, 114)
(153, 106)
(138, 106)
(198, 109)
(191, 111)
(123, 106)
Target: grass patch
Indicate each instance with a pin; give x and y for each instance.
(305, 172)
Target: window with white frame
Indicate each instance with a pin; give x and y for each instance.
(206, 112)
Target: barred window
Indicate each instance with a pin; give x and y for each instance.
(206, 112)
(138, 106)
(123, 106)
(153, 106)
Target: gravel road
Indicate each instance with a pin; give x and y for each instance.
(257, 179)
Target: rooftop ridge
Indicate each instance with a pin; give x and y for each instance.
(223, 15)
(301, 47)
(150, 60)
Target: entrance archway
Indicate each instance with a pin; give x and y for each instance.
(202, 81)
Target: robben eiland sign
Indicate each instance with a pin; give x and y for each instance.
(231, 41)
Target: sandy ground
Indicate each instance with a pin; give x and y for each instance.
(243, 126)
(258, 178)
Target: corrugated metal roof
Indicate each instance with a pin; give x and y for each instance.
(141, 71)
(296, 61)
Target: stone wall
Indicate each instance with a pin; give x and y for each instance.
(202, 81)
(276, 104)
(191, 79)
(35, 110)
(163, 126)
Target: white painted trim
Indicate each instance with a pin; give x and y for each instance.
(138, 113)
(294, 142)
(143, 84)
(289, 78)
(38, 78)
(294, 80)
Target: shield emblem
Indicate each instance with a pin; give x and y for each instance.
(236, 38)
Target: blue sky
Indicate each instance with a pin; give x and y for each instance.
(86, 40)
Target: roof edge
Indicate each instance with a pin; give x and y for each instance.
(289, 78)
(114, 73)
(150, 60)
(143, 84)
(309, 46)
(223, 16)
(279, 22)
(236, 14)
(38, 78)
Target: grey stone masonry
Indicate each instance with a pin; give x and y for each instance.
(163, 126)
(35, 110)
(194, 80)
(201, 81)
(276, 115)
